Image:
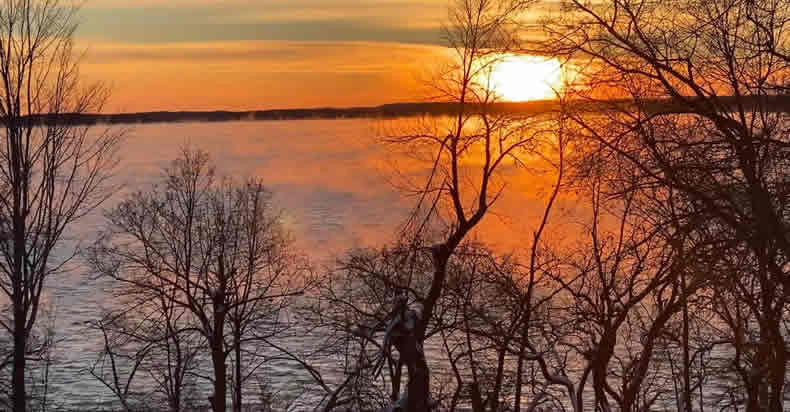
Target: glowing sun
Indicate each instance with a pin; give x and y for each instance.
(520, 78)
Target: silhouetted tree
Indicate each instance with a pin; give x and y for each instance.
(51, 173)
(465, 157)
(212, 251)
(702, 113)
(352, 309)
(148, 335)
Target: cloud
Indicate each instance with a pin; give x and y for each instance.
(278, 56)
(408, 21)
(257, 54)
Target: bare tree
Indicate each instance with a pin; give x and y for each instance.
(52, 173)
(352, 310)
(482, 321)
(268, 272)
(213, 249)
(464, 157)
(702, 111)
(148, 335)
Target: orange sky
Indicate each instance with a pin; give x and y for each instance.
(247, 75)
(258, 54)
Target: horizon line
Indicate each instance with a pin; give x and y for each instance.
(388, 110)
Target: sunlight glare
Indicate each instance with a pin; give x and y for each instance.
(521, 78)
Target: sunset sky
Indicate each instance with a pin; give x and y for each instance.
(259, 54)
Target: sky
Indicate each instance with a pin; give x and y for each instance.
(259, 54)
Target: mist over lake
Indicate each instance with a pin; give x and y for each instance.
(327, 183)
(332, 180)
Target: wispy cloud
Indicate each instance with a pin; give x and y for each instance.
(255, 54)
(408, 21)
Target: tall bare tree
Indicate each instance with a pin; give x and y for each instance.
(52, 173)
(465, 157)
(702, 111)
(213, 250)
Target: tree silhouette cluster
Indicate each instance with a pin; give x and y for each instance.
(654, 276)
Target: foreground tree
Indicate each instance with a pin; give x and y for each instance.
(52, 173)
(367, 297)
(469, 158)
(706, 117)
(149, 336)
(465, 159)
(212, 251)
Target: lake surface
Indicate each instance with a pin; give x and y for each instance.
(332, 180)
(335, 184)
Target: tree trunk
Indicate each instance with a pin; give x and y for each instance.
(19, 399)
(218, 354)
(218, 402)
(477, 397)
(218, 339)
(686, 355)
(178, 376)
(500, 372)
(519, 378)
(778, 367)
(603, 354)
(418, 386)
(410, 350)
(237, 380)
(396, 381)
(753, 394)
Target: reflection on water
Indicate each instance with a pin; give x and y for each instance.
(327, 183)
(331, 182)
(325, 174)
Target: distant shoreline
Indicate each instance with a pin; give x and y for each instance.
(777, 103)
(393, 110)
